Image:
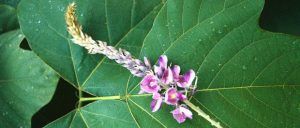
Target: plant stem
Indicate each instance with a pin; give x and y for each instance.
(199, 111)
(202, 114)
(100, 98)
(79, 95)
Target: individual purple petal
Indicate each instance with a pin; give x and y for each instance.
(176, 71)
(186, 80)
(167, 76)
(163, 62)
(186, 112)
(181, 113)
(178, 116)
(156, 96)
(158, 71)
(162, 66)
(156, 102)
(147, 62)
(171, 96)
(149, 84)
(181, 96)
(181, 82)
(189, 77)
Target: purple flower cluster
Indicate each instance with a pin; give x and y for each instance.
(168, 86)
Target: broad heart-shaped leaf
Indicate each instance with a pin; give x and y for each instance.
(26, 83)
(247, 77)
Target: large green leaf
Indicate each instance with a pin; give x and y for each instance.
(26, 83)
(247, 77)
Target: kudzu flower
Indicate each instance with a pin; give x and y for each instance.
(172, 96)
(156, 102)
(176, 71)
(150, 84)
(162, 71)
(185, 81)
(161, 81)
(162, 66)
(181, 113)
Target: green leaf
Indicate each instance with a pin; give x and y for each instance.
(8, 18)
(247, 76)
(26, 83)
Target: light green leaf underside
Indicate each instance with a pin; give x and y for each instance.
(247, 76)
(26, 83)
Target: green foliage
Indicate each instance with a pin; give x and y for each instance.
(247, 77)
(26, 83)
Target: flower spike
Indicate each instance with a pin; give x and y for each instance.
(121, 56)
(164, 83)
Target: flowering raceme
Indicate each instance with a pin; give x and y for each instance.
(162, 81)
(168, 86)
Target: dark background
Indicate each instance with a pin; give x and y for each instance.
(278, 16)
(281, 16)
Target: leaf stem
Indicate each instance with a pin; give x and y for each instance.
(100, 98)
(79, 95)
(202, 114)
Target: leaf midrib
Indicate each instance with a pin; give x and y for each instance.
(218, 90)
(208, 90)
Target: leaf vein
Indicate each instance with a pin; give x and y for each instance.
(269, 106)
(212, 49)
(248, 45)
(211, 112)
(198, 24)
(248, 115)
(147, 113)
(83, 119)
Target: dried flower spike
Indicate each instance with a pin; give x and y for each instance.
(121, 56)
(163, 82)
